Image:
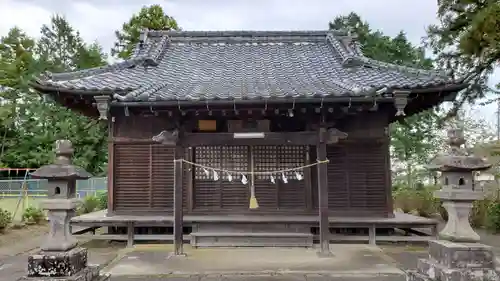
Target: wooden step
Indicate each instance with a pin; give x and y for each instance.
(251, 239)
(251, 227)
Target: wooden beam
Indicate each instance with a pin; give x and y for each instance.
(178, 208)
(270, 138)
(324, 231)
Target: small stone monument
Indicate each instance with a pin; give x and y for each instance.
(458, 256)
(60, 258)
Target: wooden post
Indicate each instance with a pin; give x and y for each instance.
(130, 234)
(324, 232)
(178, 216)
(372, 233)
(111, 170)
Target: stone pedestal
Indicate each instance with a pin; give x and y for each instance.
(451, 261)
(458, 205)
(62, 266)
(60, 212)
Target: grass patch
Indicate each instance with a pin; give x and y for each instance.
(10, 205)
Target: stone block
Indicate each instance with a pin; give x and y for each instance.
(90, 273)
(57, 264)
(462, 255)
(412, 275)
(432, 270)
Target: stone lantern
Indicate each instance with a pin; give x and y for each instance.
(458, 257)
(458, 169)
(60, 258)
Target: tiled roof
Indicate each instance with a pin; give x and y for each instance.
(190, 65)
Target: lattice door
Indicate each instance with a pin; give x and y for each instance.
(210, 194)
(235, 195)
(222, 194)
(206, 192)
(280, 195)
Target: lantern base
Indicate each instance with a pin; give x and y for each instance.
(62, 266)
(456, 261)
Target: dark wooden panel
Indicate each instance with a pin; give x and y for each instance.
(270, 138)
(139, 126)
(143, 177)
(367, 177)
(357, 178)
(338, 178)
(162, 176)
(132, 174)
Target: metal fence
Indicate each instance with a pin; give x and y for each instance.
(13, 188)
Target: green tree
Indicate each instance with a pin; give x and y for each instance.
(61, 48)
(152, 18)
(413, 139)
(467, 44)
(41, 122)
(17, 67)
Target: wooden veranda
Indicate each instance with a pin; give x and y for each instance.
(137, 228)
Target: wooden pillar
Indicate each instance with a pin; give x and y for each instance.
(111, 170)
(324, 232)
(178, 208)
(130, 234)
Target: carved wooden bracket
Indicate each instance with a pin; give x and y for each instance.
(333, 135)
(167, 137)
(102, 104)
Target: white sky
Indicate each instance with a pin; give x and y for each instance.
(98, 19)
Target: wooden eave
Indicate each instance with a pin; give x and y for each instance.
(82, 101)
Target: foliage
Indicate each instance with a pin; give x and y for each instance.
(420, 201)
(17, 67)
(33, 215)
(152, 18)
(376, 45)
(478, 216)
(466, 42)
(493, 217)
(485, 212)
(62, 49)
(30, 123)
(443, 213)
(89, 204)
(428, 204)
(92, 203)
(404, 200)
(103, 200)
(414, 139)
(5, 219)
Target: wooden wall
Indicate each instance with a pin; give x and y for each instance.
(358, 172)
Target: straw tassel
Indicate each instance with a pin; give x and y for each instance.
(253, 200)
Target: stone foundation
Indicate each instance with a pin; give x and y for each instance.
(449, 261)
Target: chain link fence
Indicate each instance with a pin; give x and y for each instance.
(14, 188)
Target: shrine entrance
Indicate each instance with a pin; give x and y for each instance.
(228, 185)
